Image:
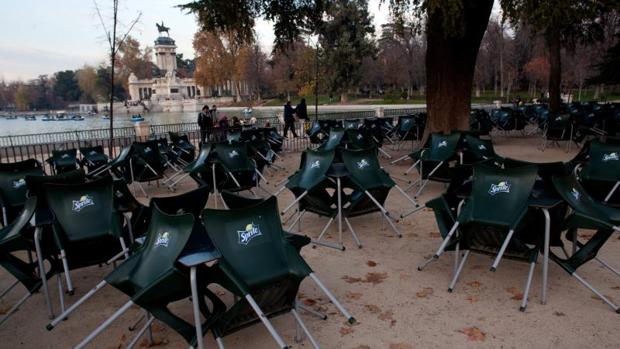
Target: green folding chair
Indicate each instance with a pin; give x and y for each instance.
(334, 138)
(587, 213)
(493, 220)
(193, 169)
(86, 229)
(153, 278)
(266, 287)
(119, 166)
(601, 173)
(93, 158)
(477, 150)
(63, 161)
(16, 238)
(434, 162)
(181, 145)
(13, 186)
(146, 164)
(237, 171)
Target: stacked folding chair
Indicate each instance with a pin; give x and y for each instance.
(436, 160)
(333, 139)
(118, 166)
(495, 219)
(409, 127)
(267, 286)
(558, 128)
(145, 164)
(13, 186)
(274, 138)
(319, 187)
(600, 173)
(480, 121)
(153, 277)
(93, 158)
(194, 168)
(587, 213)
(63, 161)
(181, 145)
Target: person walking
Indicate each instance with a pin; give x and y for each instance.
(289, 119)
(301, 110)
(205, 123)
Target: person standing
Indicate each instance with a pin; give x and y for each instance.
(301, 110)
(214, 113)
(289, 119)
(204, 122)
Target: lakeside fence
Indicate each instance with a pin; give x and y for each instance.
(40, 146)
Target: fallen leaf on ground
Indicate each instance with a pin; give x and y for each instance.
(375, 278)
(156, 342)
(372, 308)
(346, 330)
(616, 288)
(309, 302)
(386, 316)
(401, 346)
(371, 264)
(474, 284)
(473, 334)
(472, 299)
(353, 295)
(362, 347)
(558, 313)
(426, 291)
(434, 234)
(516, 294)
(350, 279)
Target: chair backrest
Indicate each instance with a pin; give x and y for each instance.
(92, 151)
(442, 147)
(36, 184)
(234, 156)
(251, 241)
(481, 149)
(64, 160)
(603, 163)
(166, 238)
(364, 169)
(351, 124)
(83, 211)
(334, 139)
(313, 170)
(191, 202)
(202, 159)
(406, 123)
(147, 153)
(233, 137)
(13, 181)
(576, 196)
(499, 196)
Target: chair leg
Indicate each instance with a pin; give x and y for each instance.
(140, 333)
(75, 305)
(61, 295)
(528, 283)
(42, 274)
(220, 343)
(606, 265)
(196, 309)
(294, 202)
(333, 299)
(305, 329)
(265, 321)
(8, 289)
(14, 308)
(502, 250)
(5, 221)
(104, 325)
(612, 191)
(357, 240)
(596, 292)
(399, 159)
(331, 220)
(136, 323)
(412, 167)
(311, 311)
(458, 272)
(427, 179)
(65, 266)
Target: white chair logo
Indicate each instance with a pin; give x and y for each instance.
(610, 157)
(233, 154)
(251, 231)
(442, 144)
(575, 193)
(84, 201)
(362, 164)
(19, 183)
(482, 147)
(92, 152)
(147, 150)
(315, 164)
(501, 187)
(163, 239)
(64, 156)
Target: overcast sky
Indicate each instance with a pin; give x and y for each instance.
(42, 36)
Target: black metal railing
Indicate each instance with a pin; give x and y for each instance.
(40, 146)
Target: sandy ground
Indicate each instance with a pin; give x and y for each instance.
(397, 306)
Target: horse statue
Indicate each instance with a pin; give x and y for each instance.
(161, 28)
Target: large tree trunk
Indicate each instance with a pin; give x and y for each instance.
(555, 69)
(450, 65)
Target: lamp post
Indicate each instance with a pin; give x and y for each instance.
(316, 80)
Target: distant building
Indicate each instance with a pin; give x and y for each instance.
(169, 92)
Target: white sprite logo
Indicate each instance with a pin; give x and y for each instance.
(251, 231)
(610, 157)
(84, 201)
(482, 147)
(315, 164)
(575, 193)
(233, 154)
(442, 144)
(163, 239)
(362, 164)
(501, 187)
(19, 183)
